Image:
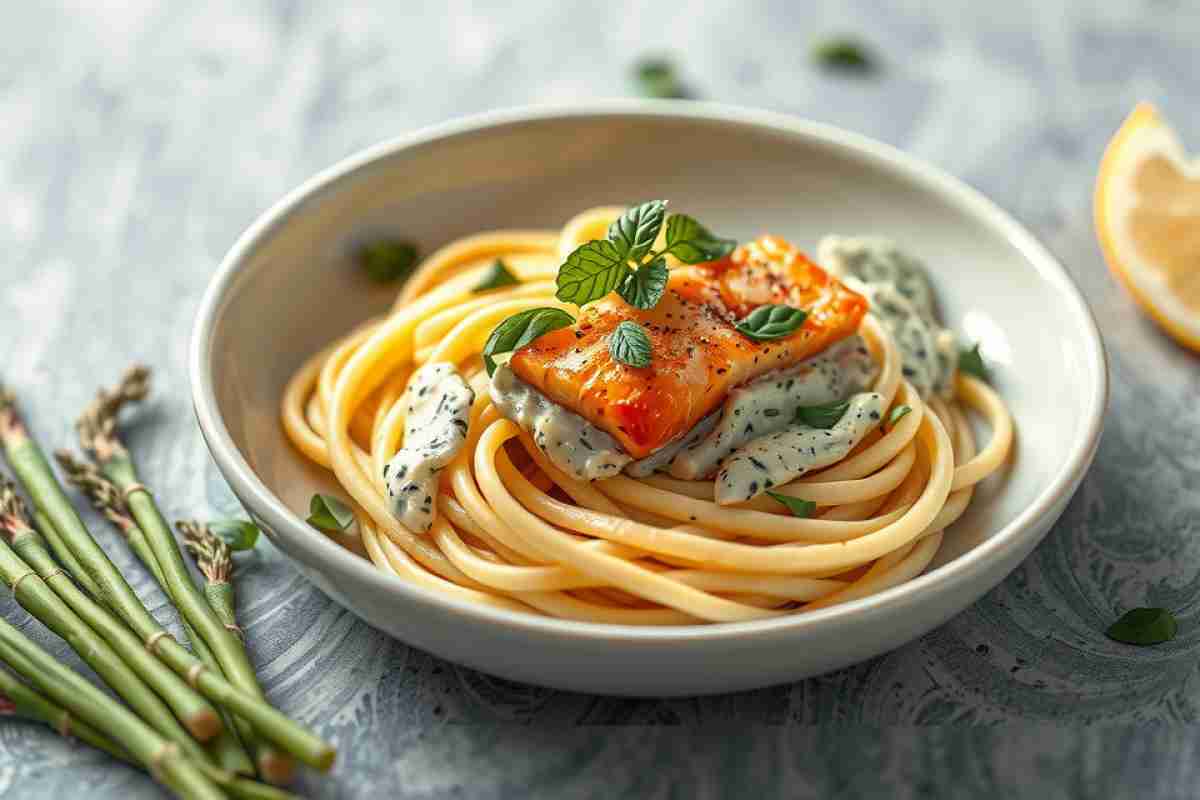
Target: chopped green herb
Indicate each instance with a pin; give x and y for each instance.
(327, 513)
(843, 53)
(798, 507)
(970, 361)
(520, 329)
(633, 233)
(387, 260)
(823, 416)
(656, 77)
(239, 534)
(692, 243)
(897, 414)
(645, 286)
(590, 272)
(630, 344)
(498, 275)
(1144, 626)
(771, 322)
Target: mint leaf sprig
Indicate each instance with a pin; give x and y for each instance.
(626, 262)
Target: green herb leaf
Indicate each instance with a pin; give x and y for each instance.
(771, 322)
(590, 272)
(520, 329)
(1144, 626)
(843, 53)
(692, 243)
(823, 416)
(645, 286)
(656, 77)
(633, 233)
(630, 344)
(239, 534)
(798, 507)
(496, 277)
(387, 260)
(897, 414)
(971, 362)
(327, 513)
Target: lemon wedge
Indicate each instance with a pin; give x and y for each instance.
(1147, 207)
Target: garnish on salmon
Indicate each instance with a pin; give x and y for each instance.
(699, 355)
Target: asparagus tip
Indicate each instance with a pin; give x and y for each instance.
(103, 494)
(14, 516)
(211, 552)
(11, 426)
(97, 426)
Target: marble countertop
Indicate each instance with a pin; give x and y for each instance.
(137, 140)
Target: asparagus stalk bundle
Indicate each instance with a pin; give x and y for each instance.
(98, 436)
(74, 707)
(28, 461)
(91, 631)
(164, 760)
(226, 747)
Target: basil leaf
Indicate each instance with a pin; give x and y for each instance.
(633, 233)
(692, 243)
(497, 276)
(327, 513)
(971, 362)
(590, 272)
(771, 322)
(239, 534)
(387, 260)
(823, 416)
(656, 77)
(897, 414)
(1144, 626)
(520, 329)
(630, 344)
(843, 53)
(645, 286)
(798, 507)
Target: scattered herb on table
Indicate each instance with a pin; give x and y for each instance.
(843, 53)
(1144, 626)
(657, 78)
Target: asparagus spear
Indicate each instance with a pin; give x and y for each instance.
(27, 460)
(225, 747)
(28, 703)
(64, 554)
(214, 560)
(161, 757)
(98, 437)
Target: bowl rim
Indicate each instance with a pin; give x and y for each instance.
(941, 580)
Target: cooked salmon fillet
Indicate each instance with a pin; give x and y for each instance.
(698, 355)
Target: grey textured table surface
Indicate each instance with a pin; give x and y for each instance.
(138, 139)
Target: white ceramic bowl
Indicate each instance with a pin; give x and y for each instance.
(287, 288)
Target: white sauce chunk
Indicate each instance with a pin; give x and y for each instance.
(572, 444)
(435, 430)
(782, 457)
(901, 295)
(768, 404)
